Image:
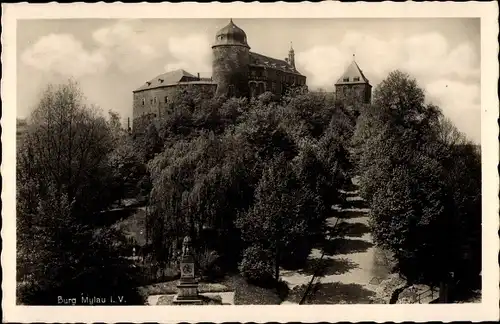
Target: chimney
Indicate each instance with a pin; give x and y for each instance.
(198, 75)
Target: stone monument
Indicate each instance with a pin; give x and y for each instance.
(188, 286)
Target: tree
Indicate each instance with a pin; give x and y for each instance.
(68, 144)
(115, 125)
(130, 172)
(410, 158)
(64, 182)
(282, 213)
(215, 155)
(457, 154)
(398, 123)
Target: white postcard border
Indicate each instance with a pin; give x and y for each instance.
(487, 310)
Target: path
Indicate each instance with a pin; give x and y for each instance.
(352, 265)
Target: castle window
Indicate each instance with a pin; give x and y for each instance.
(346, 80)
(166, 99)
(356, 78)
(154, 101)
(151, 101)
(253, 87)
(273, 86)
(261, 88)
(143, 101)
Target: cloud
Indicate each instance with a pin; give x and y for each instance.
(126, 44)
(63, 54)
(461, 102)
(449, 74)
(192, 53)
(121, 44)
(426, 57)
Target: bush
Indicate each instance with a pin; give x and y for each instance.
(209, 265)
(257, 265)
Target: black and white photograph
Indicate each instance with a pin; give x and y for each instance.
(228, 158)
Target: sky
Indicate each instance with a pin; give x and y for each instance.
(110, 58)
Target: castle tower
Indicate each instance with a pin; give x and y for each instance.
(291, 55)
(231, 59)
(353, 87)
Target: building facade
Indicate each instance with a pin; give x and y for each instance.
(241, 73)
(236, 72)
(153, 97)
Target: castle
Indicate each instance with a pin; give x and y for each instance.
(238, 72)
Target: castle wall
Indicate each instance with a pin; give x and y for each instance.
(351, 93)
(230, 69)
(145, 103)
(146, 108)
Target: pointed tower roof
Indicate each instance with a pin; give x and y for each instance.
(353, 75)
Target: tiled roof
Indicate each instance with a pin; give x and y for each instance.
(353, 71)
(169, 78)
(272, 63)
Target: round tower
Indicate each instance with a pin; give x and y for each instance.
(231, 59)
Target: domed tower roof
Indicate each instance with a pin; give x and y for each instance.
(231, 35)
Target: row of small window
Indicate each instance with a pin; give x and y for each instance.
(355, 79)
(273, 84)
(284, 77)
(154, 101)
(292, 79)
(222, 37)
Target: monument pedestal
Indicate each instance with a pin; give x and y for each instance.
(179, 302)
(188, 293)
(188, 285)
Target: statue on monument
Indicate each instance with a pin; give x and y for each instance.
(188, 285)
(186, 246)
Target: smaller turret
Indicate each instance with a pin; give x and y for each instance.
(353, 86)
(291, 55)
